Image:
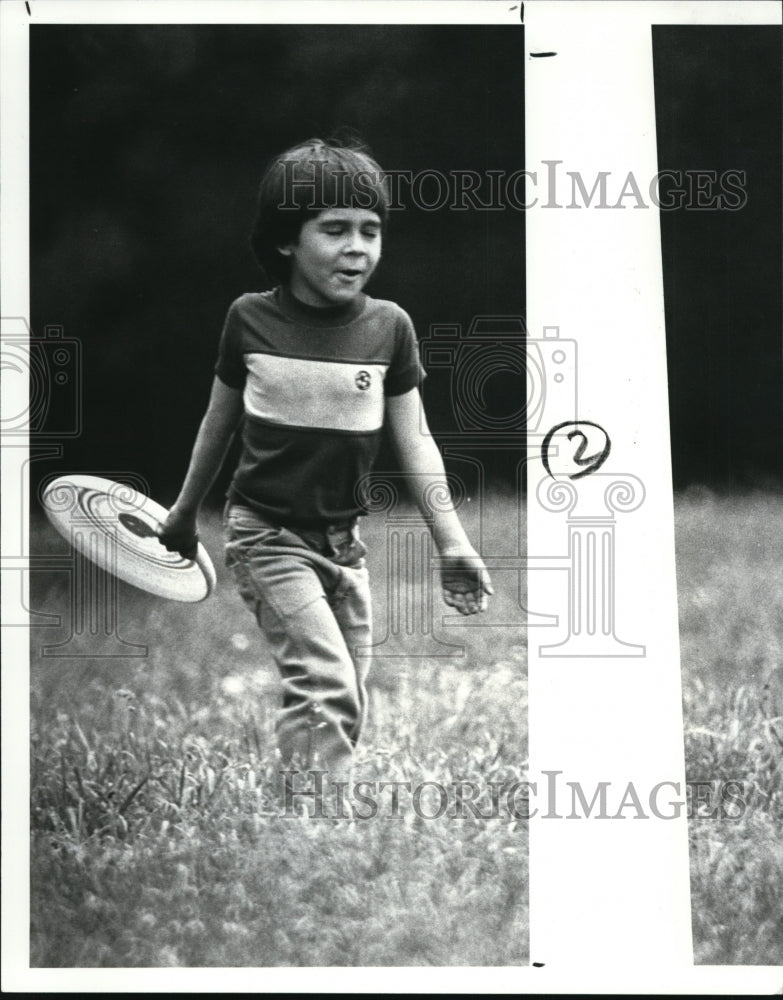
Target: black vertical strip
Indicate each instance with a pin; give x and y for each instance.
(718, 118)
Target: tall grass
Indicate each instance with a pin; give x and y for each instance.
(159, 837)
(730, 594)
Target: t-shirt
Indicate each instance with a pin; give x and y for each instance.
(314, 382)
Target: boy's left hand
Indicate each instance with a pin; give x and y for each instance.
(465, 581)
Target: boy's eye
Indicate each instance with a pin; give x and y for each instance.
(340, 230)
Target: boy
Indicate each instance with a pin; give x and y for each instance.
(316, 369)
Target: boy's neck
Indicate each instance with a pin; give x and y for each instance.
(303, 312)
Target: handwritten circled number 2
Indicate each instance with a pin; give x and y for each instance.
(585, 464)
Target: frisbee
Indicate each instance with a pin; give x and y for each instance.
(113, 525)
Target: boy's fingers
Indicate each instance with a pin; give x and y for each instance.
(185, 544)
(466, 603)
(466, 586)
(455, 600)
(186, 551)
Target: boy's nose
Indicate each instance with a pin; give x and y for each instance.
(354, 242)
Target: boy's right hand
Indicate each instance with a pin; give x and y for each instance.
(465, 581)
(178, 533)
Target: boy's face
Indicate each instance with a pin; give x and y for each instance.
(335, 255)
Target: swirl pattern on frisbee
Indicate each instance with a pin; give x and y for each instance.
(126, 519)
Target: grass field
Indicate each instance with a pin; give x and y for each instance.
(730, 594)
(157, 841)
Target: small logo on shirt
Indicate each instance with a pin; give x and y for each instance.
(362, 380)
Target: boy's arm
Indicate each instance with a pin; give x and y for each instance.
(224, 410)
(464, 577)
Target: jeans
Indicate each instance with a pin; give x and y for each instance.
(309, 592)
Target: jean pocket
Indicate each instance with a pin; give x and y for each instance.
(244, 583)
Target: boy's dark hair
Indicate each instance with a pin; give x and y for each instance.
(304, 181)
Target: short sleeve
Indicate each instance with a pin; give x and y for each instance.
(230, 366)
(405, 371)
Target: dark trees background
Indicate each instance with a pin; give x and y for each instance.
(147, 144)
